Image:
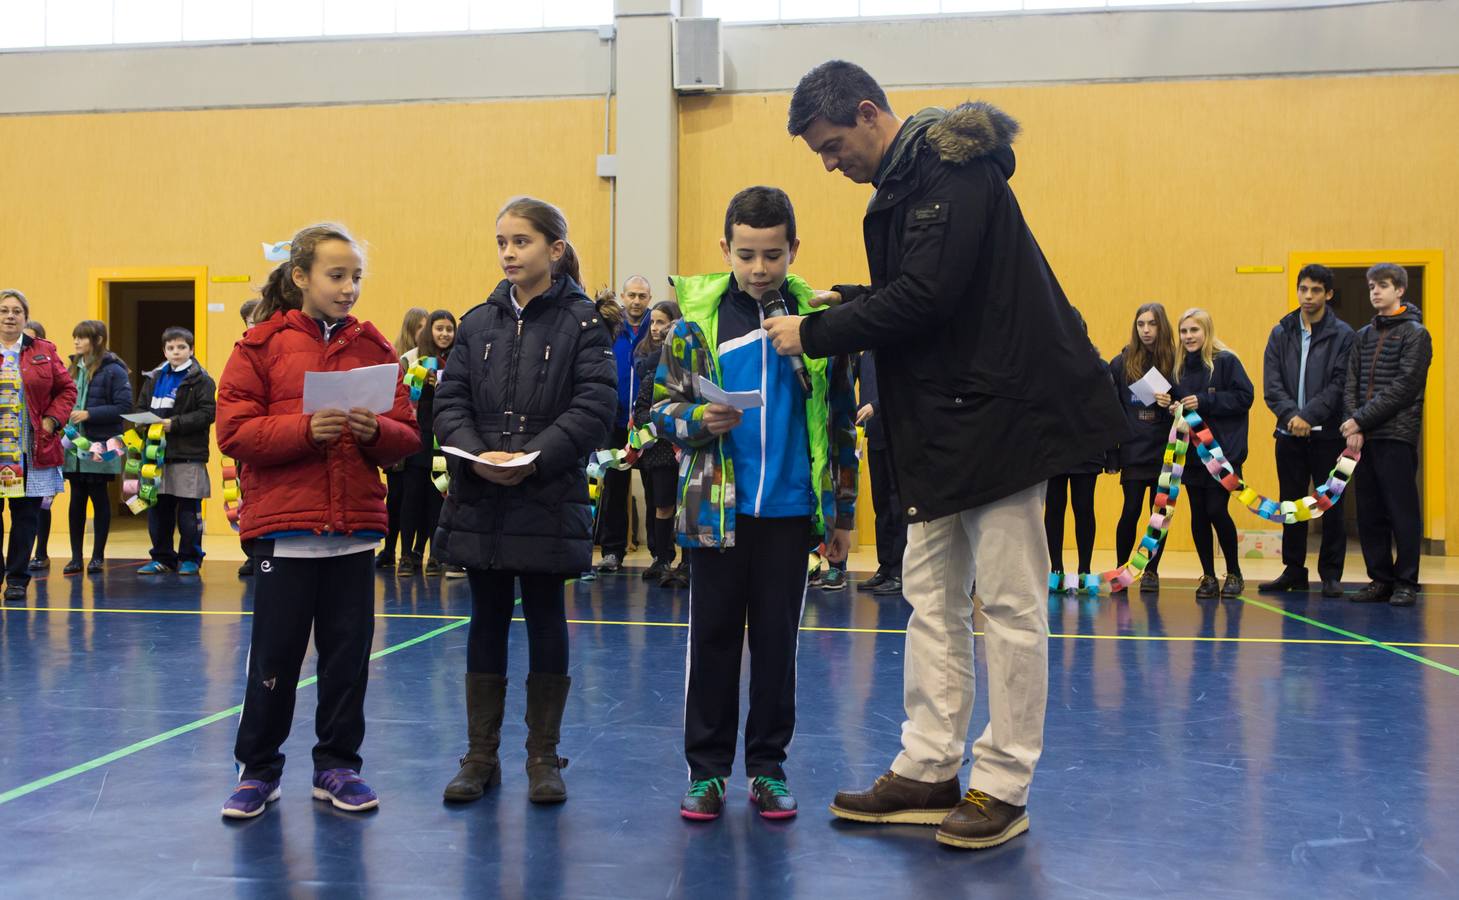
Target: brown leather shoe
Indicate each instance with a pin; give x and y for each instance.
(981, 821)
(894, 799)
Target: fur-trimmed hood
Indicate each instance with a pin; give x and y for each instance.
(958, 136)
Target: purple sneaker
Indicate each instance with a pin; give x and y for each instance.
(345, 789)
(251, 798)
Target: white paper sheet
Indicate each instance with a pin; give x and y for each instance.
(1147, 387)
(713, 393)
(370, 387)
(524, 460)
(143, 418)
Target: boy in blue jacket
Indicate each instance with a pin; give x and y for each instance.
(755, 495)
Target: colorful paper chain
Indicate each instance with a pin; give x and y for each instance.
(77, 444)
(440, 477)
(419, 375)
(639, 440)
(143, 470)
(1213, 458)
(12, 460)
(232, 492)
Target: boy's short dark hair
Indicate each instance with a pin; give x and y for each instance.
(246, 310)
(1318, 273)
(177, 333)
(1396, 274)
(760, 207)
(832, 91)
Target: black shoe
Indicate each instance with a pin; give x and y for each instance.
(1374, 592)
(704, 800)
(901, 800)
(1289, 580)
(1331, 587)
(435, 568)
(656, 571)
(1234, 587)
(15, 593)
(246, 570)
(772, 798)
(384, 560)
(95, 567)
(1150, 582)
(676, 577)
(73, 567)
(610, 562)
(892, 587)
(40, 562)
(1403, 595)
(873, 582)
(981, 821)
(455, 571)
(1208, 588)
(408, 566)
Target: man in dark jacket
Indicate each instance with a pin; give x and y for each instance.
(984, 374)
(618, 483)
(891, 524)
(1304, 371)
(1384, 404)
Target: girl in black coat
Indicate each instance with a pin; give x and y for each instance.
(1151, 346)
(1211, 381)
(658, 465)
(104, 395)
(421, 502)
(532, 375)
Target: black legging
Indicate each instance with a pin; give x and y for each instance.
(89, 486)
(1079, 489)
(493, 601)
(420, 511)
(43, 534)
(394, 494)
(1133, 516)
(1209, 511)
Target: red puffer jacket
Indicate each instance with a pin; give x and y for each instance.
(293, 484)
(49, 393)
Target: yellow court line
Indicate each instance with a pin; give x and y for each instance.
(1158, 638)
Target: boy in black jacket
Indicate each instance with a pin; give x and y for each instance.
(1305, 371)
(1384, 404)
(184, 396)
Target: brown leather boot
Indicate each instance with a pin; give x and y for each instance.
(901, 800)
(480, 768)
(546, 698)
(982, 821)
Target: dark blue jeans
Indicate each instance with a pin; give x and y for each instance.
(185, 517)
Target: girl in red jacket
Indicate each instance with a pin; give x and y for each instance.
(316, 509)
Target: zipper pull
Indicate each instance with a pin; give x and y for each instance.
(547, 354)
(486, 353)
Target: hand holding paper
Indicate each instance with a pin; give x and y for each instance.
(714, 394)
(1146, 389)
(368, 387)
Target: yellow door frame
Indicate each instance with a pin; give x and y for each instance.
(1432, 262)
(98, 279)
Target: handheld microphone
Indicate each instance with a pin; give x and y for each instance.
(773, 305)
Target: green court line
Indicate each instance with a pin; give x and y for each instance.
(89, 765)
(1353, 635)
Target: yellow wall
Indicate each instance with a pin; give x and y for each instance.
(1145, 191)
(421, 184)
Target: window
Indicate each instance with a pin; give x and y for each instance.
(801, 10)
(29, 24)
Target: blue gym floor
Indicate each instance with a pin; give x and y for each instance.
(1289, 747)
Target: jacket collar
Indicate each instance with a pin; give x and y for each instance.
(958, 136)
(562, 290)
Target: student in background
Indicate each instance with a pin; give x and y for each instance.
(407, 348)
(658, 466)
(1210, 380)
(183, 395)
(420, 506)
(35, 400)
(1383, 401)
(316, 508)
(42, 560)
(891, 524)
(613, 518)
(1304, 371)
(1151, 346)
(533, 373)
(103, 396)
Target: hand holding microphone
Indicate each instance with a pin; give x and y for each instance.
(784, 332)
